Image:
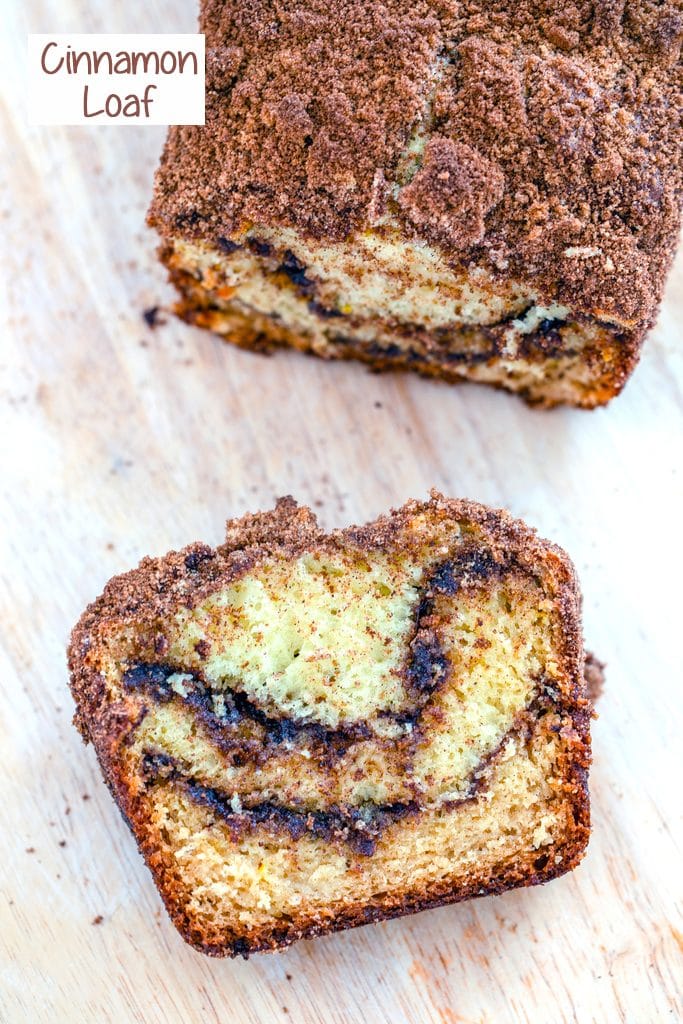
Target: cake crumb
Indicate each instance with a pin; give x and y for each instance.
(594, 673)
(152, 318)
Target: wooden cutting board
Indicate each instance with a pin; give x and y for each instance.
(119, 441)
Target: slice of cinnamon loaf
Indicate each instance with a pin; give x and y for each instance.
(311, 731)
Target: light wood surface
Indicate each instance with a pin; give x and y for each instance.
(119, 441)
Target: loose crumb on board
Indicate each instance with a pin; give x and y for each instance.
(152, 318)
(594, 672)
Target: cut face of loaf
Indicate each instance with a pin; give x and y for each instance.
(397, 304)
(476, 191)
(311, 731)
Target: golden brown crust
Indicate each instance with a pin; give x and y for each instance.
(160, 586)
(553, 135)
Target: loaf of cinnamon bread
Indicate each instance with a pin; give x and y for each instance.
(474, 190)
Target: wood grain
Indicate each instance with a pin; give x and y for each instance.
(118, 441)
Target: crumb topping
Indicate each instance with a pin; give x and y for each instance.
(451, 193)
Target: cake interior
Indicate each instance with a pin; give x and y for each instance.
(347, 729)
(392, 301)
